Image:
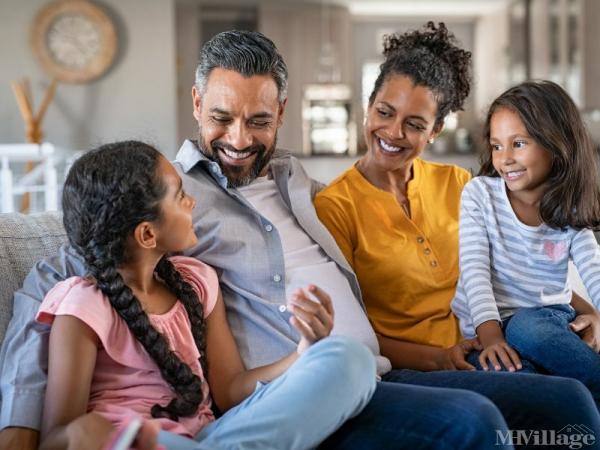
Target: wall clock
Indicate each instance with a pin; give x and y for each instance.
(74, 40)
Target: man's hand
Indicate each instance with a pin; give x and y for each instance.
(12, 438)
(587, 326)
(313, 318)
(455, 357)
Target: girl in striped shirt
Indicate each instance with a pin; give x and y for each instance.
(530, 211)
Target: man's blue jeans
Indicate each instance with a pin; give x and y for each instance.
(331, 382)
(542, 336)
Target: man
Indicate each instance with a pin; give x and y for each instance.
(257, 227)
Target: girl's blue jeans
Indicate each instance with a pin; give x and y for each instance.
(547, 345)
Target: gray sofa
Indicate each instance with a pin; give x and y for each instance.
(24, 239)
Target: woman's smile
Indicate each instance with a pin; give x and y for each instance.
(389, 148)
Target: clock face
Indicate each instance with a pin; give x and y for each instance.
(74, 40)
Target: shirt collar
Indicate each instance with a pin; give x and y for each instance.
(189, 155)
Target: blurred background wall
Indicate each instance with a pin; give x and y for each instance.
(146, 93)
(135, 99)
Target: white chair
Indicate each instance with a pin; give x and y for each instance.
(43, 178)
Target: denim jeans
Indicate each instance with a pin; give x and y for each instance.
(332, 381)
(543, 337)
(526, 366)
(402, 415)
(526, 401)
(321, 391)
(449, 410)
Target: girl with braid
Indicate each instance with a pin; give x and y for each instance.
(142, 333)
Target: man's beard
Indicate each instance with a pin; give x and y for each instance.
(238, 176)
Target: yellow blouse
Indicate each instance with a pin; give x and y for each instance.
(407, 267)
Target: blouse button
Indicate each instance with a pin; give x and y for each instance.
(282, 308)
(433, 263)
(420, 240)
(269, 227)
(277, 278)
(427, 251)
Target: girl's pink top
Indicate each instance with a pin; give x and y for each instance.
(126, 379)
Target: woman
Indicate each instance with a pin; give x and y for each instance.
(412, 204)
(395, 217)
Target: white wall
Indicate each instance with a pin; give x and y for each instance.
(490, 59)
(136, 99)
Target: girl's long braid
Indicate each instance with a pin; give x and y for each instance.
(186, 295)
(102, 204)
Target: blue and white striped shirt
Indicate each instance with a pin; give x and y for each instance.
(506, 265)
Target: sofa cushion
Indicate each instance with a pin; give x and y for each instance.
(24, 239)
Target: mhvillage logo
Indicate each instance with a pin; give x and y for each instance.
(571, 436)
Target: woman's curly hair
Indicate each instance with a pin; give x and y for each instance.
(108, 192)
(430, 58)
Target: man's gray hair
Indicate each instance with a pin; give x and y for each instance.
(248, 53)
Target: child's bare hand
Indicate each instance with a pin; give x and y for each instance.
(500, 352)
(587, 326)
(21, 438)
(312, 316)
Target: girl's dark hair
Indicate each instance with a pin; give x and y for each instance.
(430, 58)
(551, 118)
(108, 192)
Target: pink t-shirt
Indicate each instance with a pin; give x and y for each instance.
(126, 379)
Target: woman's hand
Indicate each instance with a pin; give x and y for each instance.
(500, 351)
(455, 357)
(312, 316)
(587, 326)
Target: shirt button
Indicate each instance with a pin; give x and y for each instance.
(269, 227)
(277, 278)
(433, 263)
(282, 308)
(420, 240)
(214, 169)
(427, 251)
